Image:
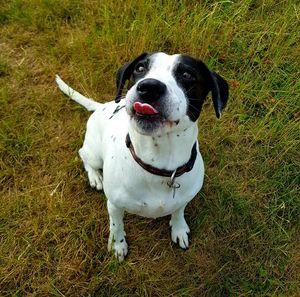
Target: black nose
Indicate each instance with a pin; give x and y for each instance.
(151, 89)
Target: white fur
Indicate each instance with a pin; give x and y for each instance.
(128, 186)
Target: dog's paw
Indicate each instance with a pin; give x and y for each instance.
(180, 234)
(119, 247)
(95, 179)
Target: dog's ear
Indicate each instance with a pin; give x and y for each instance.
(124, 74)
(220, 91)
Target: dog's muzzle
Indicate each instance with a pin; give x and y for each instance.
(148, 109)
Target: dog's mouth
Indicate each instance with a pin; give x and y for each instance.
(148, 118)
(145, 111)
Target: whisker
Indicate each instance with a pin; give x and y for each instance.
(193, 107)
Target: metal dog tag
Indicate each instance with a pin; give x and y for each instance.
(172, 184)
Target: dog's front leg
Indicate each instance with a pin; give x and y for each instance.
(117, 234)
(179, 228)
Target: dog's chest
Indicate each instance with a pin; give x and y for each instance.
(154, 199)
(145, 194)
(149, 200)
(152, 208)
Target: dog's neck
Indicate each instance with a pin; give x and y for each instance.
(167, 151)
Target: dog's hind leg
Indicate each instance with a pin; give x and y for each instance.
(92, 165)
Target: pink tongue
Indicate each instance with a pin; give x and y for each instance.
(144, 108)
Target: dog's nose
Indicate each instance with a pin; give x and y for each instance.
(151, 89)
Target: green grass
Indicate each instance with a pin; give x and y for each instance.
(244, 222)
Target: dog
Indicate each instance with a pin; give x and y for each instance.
(141, 149)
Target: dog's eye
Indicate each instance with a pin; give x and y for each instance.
(140, 68)
(187, 75)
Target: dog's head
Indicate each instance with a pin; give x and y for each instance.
(166, 91)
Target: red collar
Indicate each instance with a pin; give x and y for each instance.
(163, 172)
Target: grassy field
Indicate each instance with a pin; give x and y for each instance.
(244, 222)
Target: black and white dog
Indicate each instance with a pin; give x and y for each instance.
(142, 150)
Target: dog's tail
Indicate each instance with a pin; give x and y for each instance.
(88, 103)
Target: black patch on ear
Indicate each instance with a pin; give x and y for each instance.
(124, 74)
(220, 92)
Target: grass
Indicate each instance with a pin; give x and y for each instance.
(244, 222)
